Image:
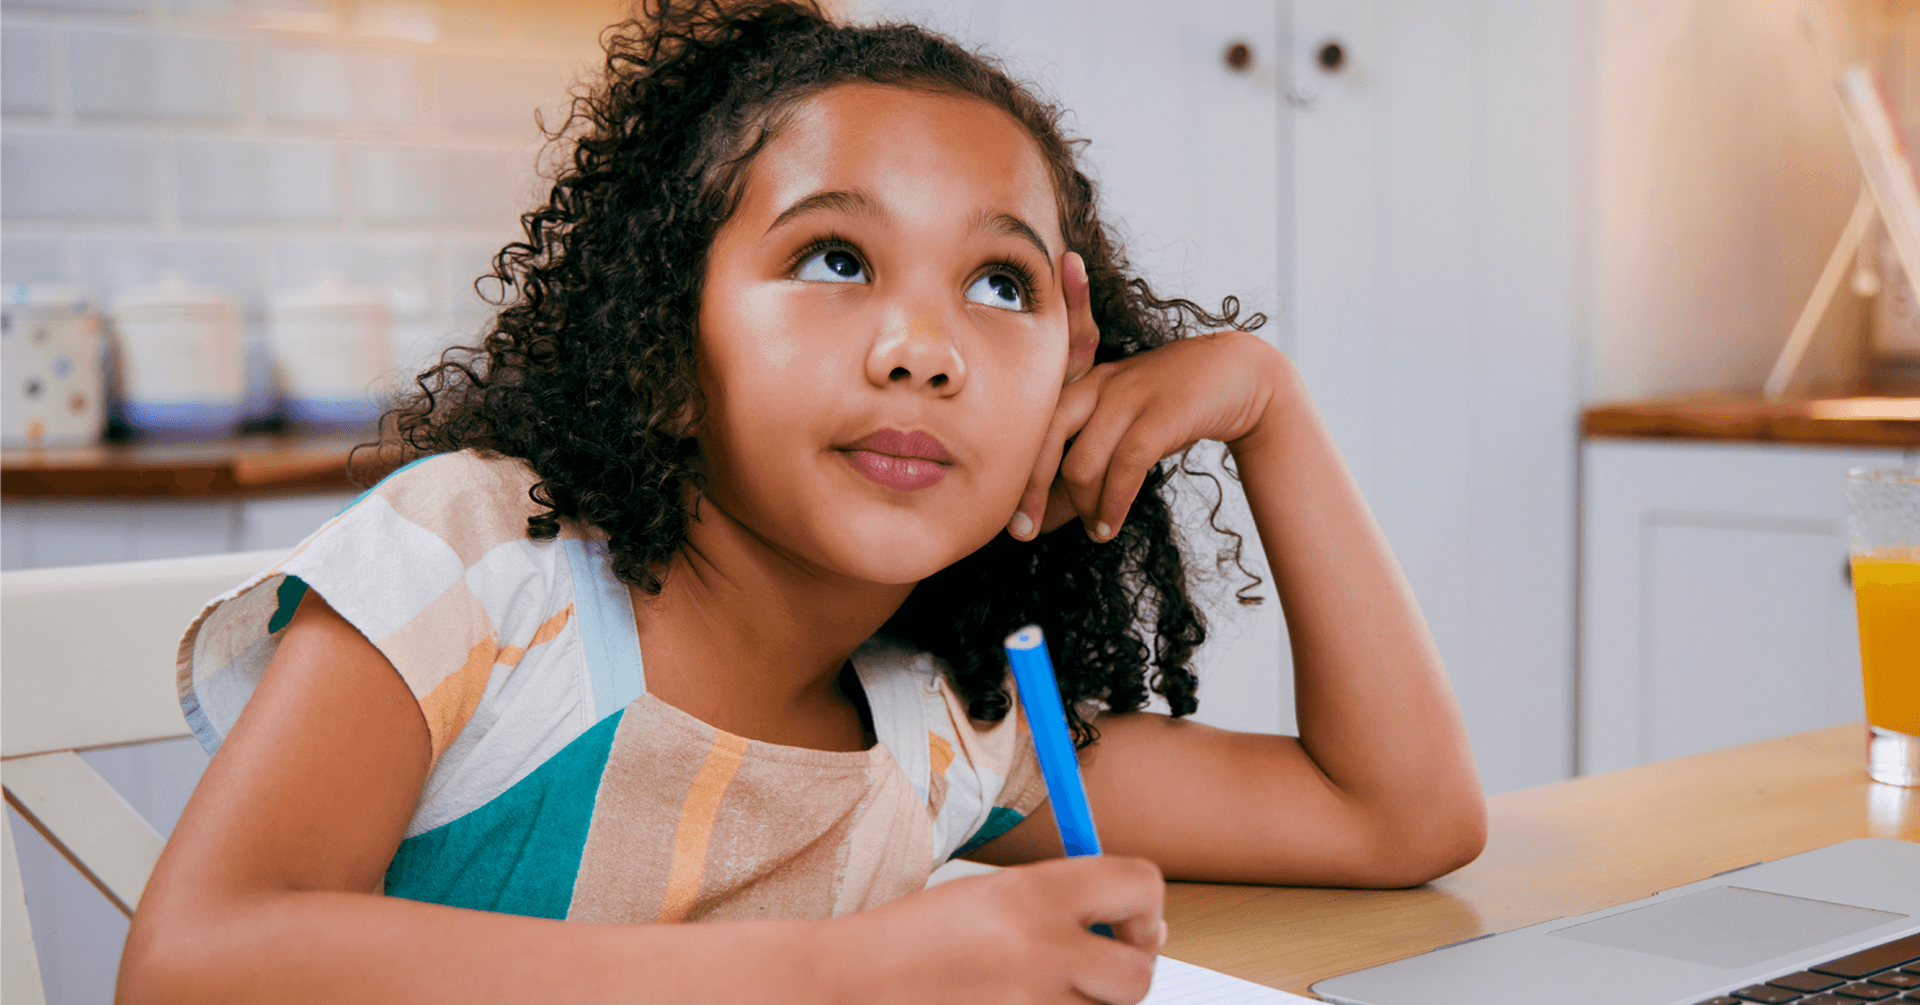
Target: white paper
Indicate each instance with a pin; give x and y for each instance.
(1177, 983)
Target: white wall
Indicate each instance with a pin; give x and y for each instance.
(1722, 177)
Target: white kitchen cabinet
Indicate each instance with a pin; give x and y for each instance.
(1714, 602)
(51, 531)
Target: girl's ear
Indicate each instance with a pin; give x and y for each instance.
(1083, 336)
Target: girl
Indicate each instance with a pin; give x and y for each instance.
(692, 608)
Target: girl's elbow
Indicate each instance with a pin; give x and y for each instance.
(165, 960)
(148, 972)
(1458, 844)
(1424, 852)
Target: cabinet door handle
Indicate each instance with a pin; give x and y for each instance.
(1332, 57)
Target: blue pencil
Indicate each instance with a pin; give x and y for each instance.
(1047, 719)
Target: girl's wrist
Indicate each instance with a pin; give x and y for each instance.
(1286, 402)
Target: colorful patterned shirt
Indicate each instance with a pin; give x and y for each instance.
(558, 786)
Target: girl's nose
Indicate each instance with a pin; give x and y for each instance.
(917, 353)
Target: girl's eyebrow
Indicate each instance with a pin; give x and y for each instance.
(851, 201)
(858, 203)
(1013, 226)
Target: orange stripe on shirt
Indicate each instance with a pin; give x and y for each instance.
(696, 825)
(547, 632)
(940, 752)
(451, 703)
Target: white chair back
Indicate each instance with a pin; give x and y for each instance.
(86, 660)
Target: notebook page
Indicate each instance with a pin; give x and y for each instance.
(1177, 983)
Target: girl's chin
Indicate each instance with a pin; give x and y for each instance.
(902, 559)
(872, 564)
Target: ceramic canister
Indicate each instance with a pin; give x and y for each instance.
(181, 369)
(332, 349)
(52, 368)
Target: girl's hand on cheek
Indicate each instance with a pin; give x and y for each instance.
(1020, 934)
(1124, 417)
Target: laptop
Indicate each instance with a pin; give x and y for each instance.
(1838, 925)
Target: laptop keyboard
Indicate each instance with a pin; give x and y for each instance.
(1888, 972)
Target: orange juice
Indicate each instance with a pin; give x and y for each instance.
(1886, 591)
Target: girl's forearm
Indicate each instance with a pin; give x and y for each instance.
(327, 947)
(1375, 711)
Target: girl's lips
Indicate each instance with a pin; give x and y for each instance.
(905, 461)
(904, 473)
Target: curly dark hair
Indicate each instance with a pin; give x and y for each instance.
(587, 372)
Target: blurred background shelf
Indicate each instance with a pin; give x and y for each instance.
(251, 466)
(126, 502)
(1877, 420)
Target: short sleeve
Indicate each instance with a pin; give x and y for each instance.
(998, 785)
(432, 565)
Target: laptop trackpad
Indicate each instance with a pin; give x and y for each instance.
(1727, 926)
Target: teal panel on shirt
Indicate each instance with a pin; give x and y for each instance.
(519, 853)
(999, 821)
(292, 590)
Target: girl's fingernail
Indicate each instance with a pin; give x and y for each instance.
(1102, 531)
(1163, 931)
(1021, 527)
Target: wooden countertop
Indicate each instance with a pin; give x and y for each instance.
(1566, 848)
(248, 465)
(1860, 420)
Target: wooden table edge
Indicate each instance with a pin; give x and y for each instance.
(1558, 850)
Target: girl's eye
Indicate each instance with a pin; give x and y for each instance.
(997, 289)
(833, 265)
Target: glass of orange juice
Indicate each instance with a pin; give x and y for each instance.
(1883, 518)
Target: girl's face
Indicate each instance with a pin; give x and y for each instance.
(882, 332)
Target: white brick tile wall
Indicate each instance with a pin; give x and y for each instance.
(494, 94)
(468, 261)
(407, 268)
(47, 175)
(84, 6)
(387, 89)
(403, 20)
(315, 84)
(122, 73)
(34, 260)
(222, 180)
(434, 185)
(477, 21)
(26, 69)
(315, 16)
(115, 263)
(255, 143)
(305, 83)
(564, 24)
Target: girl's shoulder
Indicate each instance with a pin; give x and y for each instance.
(467, 498)
(433, 566)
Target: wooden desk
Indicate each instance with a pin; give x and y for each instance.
(1560, 849)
